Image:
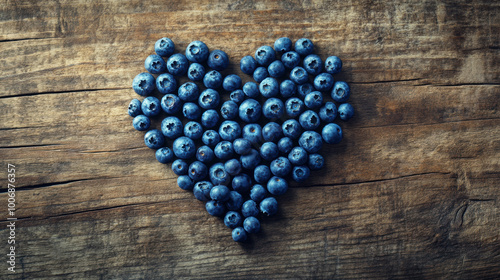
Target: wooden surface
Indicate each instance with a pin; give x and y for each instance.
(412, 191)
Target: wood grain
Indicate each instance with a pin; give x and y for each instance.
(412, 192)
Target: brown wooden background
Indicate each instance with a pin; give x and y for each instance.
(412, 191)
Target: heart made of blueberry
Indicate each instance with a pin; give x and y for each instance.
(235, 145)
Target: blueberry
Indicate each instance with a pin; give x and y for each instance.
(294, 107)
(311, 141)
(198, 171)
(258, 193)
(300, 173)
(164, 155)
(276, 69)
(197, 51)
(328, 112)
(154, 139)
(250, 110)
(299, 75)
(233, 167)
(260, 74)
(219, 193)
(264, 55)
(213, 79)
(291, 128)
(171, 127)
(346, 111)
(141, 123)
(298, 156)
(196, 72)
(191, 111)
(262, 173)
(166, 83)
(188, 91)
(269, 206)
(180, 167)
(277, 186)
(273, 108)
(269, 87)
(272, 132)
(218, 175)
(333, 65)
(229, 130)
(280, 167)
(218, 60)
(290, 59)
(313, 64)
(154, 64)
(143, 84)
(209, 118)
(285, 145)
(224, 150)
(171, 104)
(316, 162)
(304, 46)
(202, 189)
(231, 82)
(269, 151)
(250, 160)
(283, 44)
(251, 89)
(210, 138)
(314, 100)
(193, 130)
(185, 182)
(229, 110)
(249, 209)
(241, 183)
(184, 148)
(177, 64)
(304, 89)
(205, 154)
(134, 108)
(242, 146)
(164, 47)
(239, 234)
(209, 99)
(253, 133)
(323, 82)
(215, 208)
(248, 64)
(309, 120)
(237, 96)
(332, 133)
(288, 89)
(251, 224)
(341, 91)
(232, 219)
(235, 201)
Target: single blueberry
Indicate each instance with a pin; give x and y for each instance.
(248, 64)
(283, 44)
(288, 89)
(285, 145)
(250, 160)
(235, 201)
(253, 133)
(316, 162)
(309, 120)
(154, 139)
(229, 110)
(177, 64)
(264, 55)
(269, 87)
(171, 104)
(219, 193)
(333, 65)
(218, 60)
(242, 146)
(164, 47)
(249, 208)
(202, 189)
(251, 224)
(261, 174)
(346, 111)
(260, 74)
(300, 173)
(299, 75)
(269, 151)
(298, 156)
(332, 133)
(188, 91)
(291, 128)
(258, 193)
(273, 108)
(172, 127)
(143, 84)
(166, 83)
(290, 59)
(311, 141)
(280, 167)
(294, 107)
(233, 167)
(164, 155)
(304, 89)
(224, 150)
(215, 208)
(213, 79)
(277, 186)
(193, 130)
(198, 171)
(251, 89)
(209, 99)
(341, 91)
(304, 46)
(210, 138)
(191, 111)
(272, 132)
(218, 175)
(276, 69)
(197, 51)
(209, 118)
(233, 219)
(154, 64)
(323, 82)
(134, 108)
(313, 64)
(231, 82)
(151, 106)
(237, 96)
(269, 206)
(241, 183)
(141, 123)
(184, 148)
(250, 110)
(328, 112)
(185, 182)
(314, 100)
(180, 167)
(229, 130)
(205, 154)
(196, 72)
(239, 234)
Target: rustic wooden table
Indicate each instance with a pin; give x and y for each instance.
(411, 192)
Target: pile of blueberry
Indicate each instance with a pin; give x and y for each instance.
(237, 153)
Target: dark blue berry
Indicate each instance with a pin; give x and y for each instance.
(300, 173)
(209, 99)
(299, 75)
(193, 130)
(249, 209)
(154, 64)
(154, 139)
(314, 100)
(248, 64)
(346, 111)
(251, 224)
(341, 91)
(280, 167)
(333, 65)
(188, 91)
(288, 89)
(269, 87)
(198, 171)
(239, 234)
(229, 110)
(209, 118)
(233, 219)
(177, 64)
(316, 162)
(237, 96)
(224, 150)
(283, 44)
(323, 82)
(251, 89)
(219, 193)
(166, 83)
(213, 79)
(250, 160)
(231, 82)
(171, 104)
(185, 182)
(258, 193)
(202, 189)
(260, 74)
(191, 111)
(229, 130)
(277, 186)
(294, 107)
(269, 206)
(218, 175)
(273, 108)
(262, 173)
(196, 72)
(143, 84)
(253, 133)
(250, 110)
(311, 141)
(235, 201)
(298, 156)
(269, 151)
(197, 51)
(151, 106)
(134, 108)
(180, 167)
(241, 183)
(264, 55)
(233, 167)
(276, 69)
(290, 59)
(313, 64)
(242, 146)
(328, 112)
(332, 133)
(218, 60)
(184, 148)
(291, 128)
(205, 154)
(272, 132)
(304, 46)
(164, 47)
(309, 120)
(210, 138)
(141, 123)
(215, 208)
(171, 127)
(304, 89)
(285, 145)
(164, 155)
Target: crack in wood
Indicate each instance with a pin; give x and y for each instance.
(61, 92)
